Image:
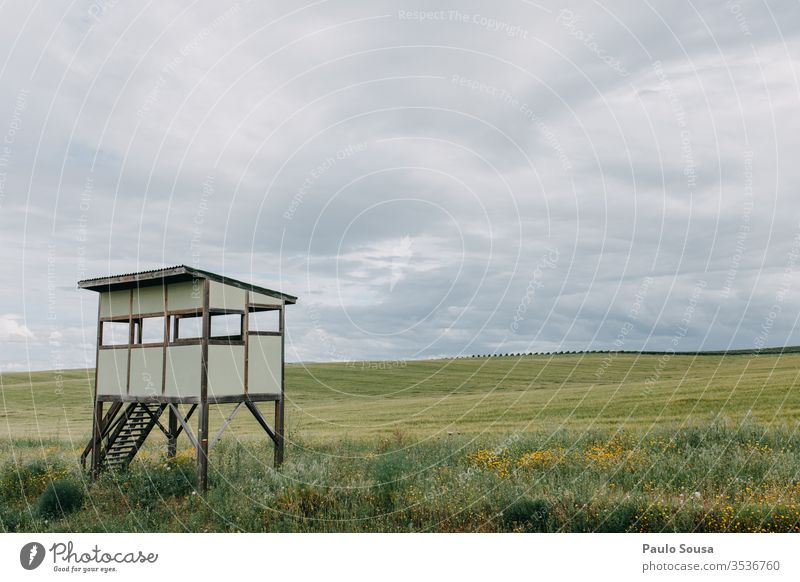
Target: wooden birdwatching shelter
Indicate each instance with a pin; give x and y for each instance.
(182, 337)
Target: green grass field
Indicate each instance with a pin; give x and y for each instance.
(598, 442)
(468, 396)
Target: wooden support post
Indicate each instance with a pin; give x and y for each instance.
(279, 432)
(97, 429)
(246, 338)
(184, 423)
(97, 413)
(172, 440)
(131, 339)
(202, 423)
(202, 448)
(279, 426)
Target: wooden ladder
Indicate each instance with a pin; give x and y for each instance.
(123, 436)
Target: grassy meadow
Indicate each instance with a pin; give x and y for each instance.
(578, 442)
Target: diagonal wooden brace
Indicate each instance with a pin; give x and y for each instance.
(257, 413)
(184, 424)
(155, 419)
(224, 426)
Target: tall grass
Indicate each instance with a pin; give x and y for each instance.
(712, 478)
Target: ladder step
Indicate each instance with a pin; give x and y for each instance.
(129, 435)
(127, 438)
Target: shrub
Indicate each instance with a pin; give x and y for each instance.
(13, 520)
(533, 515)
(59, 498)
(620, 518)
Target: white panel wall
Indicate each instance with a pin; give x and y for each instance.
(148, 299)
(146, 371)
(183, 371)
(115, 303)
(264, 299)
(264, 365)
(186, 295)
(112, 372)
(225, 370)
(225, 296)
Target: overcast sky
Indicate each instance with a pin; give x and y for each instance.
(466, 179)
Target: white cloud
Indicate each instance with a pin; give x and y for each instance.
(11, 330)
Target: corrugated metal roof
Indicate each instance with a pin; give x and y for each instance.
(177, 272)
(80, 283)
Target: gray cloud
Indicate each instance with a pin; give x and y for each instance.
(405, 173)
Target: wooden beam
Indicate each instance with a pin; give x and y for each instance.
(224, 426)
(230, 399)
(97, 411)
(185, 421)
(155, 419)
(263, 306)
(97, 431)
(105, 426)
(184, 424)
(172, 437)
(246, 337)
(280, 435)
(257, 413)
(164, 354)
(130, 342)
(202, 423)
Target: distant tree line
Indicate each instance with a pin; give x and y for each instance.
(753, 352)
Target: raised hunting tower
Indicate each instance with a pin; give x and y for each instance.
(182, 336)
